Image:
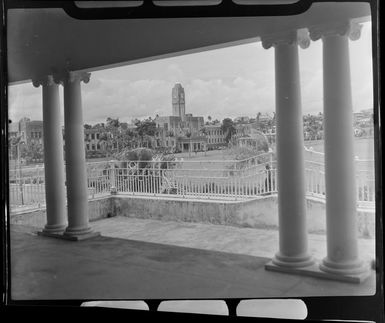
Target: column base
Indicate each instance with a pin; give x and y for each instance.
(76, 234)
(315, 271)
(54, 228)
(293, 262)
(348, 268)
(63, 236)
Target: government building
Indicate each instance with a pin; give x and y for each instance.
(181, 132)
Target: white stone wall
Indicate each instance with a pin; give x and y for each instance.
(259, 213)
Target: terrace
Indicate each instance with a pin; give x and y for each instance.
(243, 195)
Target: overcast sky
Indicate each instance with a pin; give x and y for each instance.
(228, 82)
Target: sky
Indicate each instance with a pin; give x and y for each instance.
(228, 82)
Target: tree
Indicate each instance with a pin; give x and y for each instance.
(98, 126)
(128, 138)
(113, 128)
(87, 126)
(105, 143)
(203, 131)
(112, 123)
(145, 129)
(228, 129)
(143, 156)
(32, 152)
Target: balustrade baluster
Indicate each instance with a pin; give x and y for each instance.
(235, 186)
(185, 186)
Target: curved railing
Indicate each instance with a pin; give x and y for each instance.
(225, 179)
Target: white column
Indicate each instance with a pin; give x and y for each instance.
(293, 242)
(53, 157)
(341, 213)
(76, 175)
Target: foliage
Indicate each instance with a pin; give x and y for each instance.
(313, 125)
(146, 129)
(32, 152)
(241, 153)
(134, 154)
(112, 124)
(228, 128)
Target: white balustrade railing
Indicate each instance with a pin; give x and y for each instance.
(27, 191)
(166, 181)
(227, 179)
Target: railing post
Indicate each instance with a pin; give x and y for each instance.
(113, 189)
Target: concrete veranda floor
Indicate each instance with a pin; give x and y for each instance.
(143, 259)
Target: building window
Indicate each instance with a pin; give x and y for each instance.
(98, 146)
(88, 146)
(93, 136)
(93, 147)
(97, 136)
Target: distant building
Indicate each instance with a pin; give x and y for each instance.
(178, 102)
(215, 136)
(181, 131)
(242, 120)
(31, 131)
(92, 139)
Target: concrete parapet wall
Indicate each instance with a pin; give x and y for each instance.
(256, 213)
(98, 208)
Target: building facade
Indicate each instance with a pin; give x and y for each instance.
(31, 131)
(215, 136)
(178, 101)
(180, 132)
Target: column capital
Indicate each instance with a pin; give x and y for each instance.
(350, 29)
(44, 81)
(71, 77)
(299, 37)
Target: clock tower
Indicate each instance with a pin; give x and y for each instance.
(178, 101)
